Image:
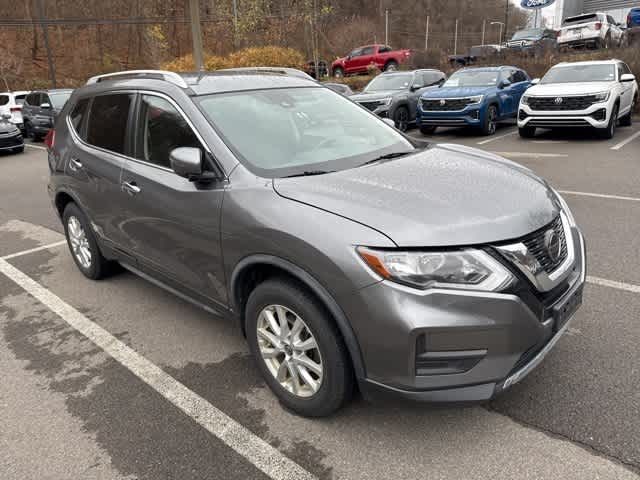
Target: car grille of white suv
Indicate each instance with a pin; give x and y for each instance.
(562, 103)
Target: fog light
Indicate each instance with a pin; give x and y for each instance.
(599, 115)
(522, 115)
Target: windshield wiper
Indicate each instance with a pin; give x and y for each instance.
(310, 173)
(388, 156)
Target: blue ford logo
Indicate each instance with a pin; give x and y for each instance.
(533, 4)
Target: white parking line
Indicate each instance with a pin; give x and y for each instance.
(255, 450)
(600, 195)
(34, 250)
(531, 155)
(627, 140)
(35, 146)
(493, 139)
(612, 284)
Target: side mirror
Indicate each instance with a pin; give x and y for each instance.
(45, 105)
(187, 162)
(504, 84)
(535, 81)
(627, 77)
(416, 87)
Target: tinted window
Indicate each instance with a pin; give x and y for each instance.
(20, 99)
(44, 98)
(77, 115)
(580, 73)
(431, 78)
(591, 17)
(367, 51)
(108, 121)
(384, 49)
(57, 100)
(162, 128)
(611, 20)
(33, 99)
(519, 76)
(625, 68)
(4, 99)
(356, 53)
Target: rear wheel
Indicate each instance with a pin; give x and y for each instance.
(298, 348)
(401, 118)
(490, 123)
(391, 66)
(428, 129)
(610, 131)
(527, 132)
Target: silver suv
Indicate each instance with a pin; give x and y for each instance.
(350, 256)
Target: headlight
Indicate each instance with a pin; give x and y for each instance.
(465, 269)
(385, 101)
(565, 209)
(525, 100)
(475, 100)
(601, 97)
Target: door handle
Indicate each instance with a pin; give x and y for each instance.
(131, 188)
(75, 164)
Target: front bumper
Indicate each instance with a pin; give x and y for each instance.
(11, 142)
(508, 334)
(596, 116)
(470, 116)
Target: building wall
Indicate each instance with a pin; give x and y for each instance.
(617, 8)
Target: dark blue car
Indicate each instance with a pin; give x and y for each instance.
(474, 97)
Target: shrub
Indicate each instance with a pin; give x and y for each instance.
(269, 56)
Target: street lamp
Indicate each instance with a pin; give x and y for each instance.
(501, 25)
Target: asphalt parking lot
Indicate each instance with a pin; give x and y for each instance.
(118, 379)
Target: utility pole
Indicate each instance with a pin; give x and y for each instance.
(506, 22)
(196, 34)
(235, 24)
(455, 40)
(386, 27)
(426, 36)
(484, 27)
(45, 33)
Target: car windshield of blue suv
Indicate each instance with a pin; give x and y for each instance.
(300, 131)
(580, 73)
(396, 81)
(473, 78)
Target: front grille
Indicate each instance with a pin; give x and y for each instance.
(444, 104)
(535, 243)
(558, 122)
(370, 105)
(558, 104)
(10, 142)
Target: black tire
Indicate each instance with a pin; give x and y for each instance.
(607, 42)
(337, 383)
(27, 130)
(428, 129)
(627, 120)
(99, 267)
(401, 118)
(490, 123)
(609, 132)
(338, 72)
(391, 66)
(527, 132)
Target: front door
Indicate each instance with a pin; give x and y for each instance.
(172, 225)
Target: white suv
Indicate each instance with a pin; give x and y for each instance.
(581, 94)
(595, 30)
(11, 104)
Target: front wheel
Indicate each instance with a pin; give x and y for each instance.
(297, 348)
(338, 72)
(527, 132)
(490, 123)
(401, 118)
(610, 131)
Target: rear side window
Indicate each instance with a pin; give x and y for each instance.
(20, 99)
(162, 128)
(4, 99)
(367, 51)
(108, 119)
(77, 115)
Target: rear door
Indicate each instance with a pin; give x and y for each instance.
(520, 84)
(507, 94)
(626, 88)
(94, 162)
(172, 225)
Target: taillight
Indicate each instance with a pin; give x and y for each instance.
(15, 109)
(598, 25)
(50, 139)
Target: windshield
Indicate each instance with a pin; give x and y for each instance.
(473, 78)
(522, 34)
(580, 19)
(580, 73)
(290, 131)
(389, 82)
(59, 99)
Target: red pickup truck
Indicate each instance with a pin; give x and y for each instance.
(358, 61)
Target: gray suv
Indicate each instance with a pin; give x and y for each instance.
(350, 256)
(40, 109)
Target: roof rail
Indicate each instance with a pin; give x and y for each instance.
(292, 72)
(162, 74)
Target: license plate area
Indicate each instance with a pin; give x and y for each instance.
(565, 309)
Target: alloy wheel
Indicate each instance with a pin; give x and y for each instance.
(402, 119)
(289, 350)
(79, 242)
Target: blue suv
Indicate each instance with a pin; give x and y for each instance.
(474, 97)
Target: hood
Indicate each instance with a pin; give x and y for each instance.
(583, 88)
(362, 97)
(453, 92)
(446, 195)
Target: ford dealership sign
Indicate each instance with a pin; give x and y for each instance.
(536, 3)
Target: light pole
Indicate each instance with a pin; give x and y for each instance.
(501, 25)
(484, 27)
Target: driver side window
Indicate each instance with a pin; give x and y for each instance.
(356, 53)
(161, 128)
